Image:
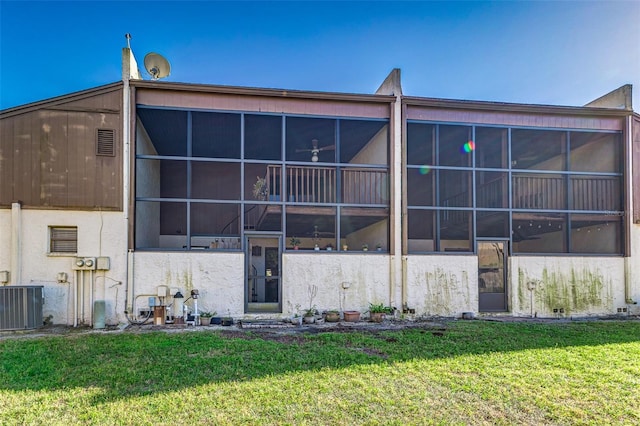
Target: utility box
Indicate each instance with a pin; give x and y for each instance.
(21, 307)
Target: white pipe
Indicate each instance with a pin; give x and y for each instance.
(16, 244)
(75, 298)
(91, 278)
(130, 283)
(629, 219)
(82, 317)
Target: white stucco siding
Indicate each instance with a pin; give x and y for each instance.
(634, 270)
(218, 277)
(580, 286)
(99, 234)
(367, 275)
(442, 285)
(5, 239)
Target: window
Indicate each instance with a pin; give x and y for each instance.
(204, 179)
(63, 239)
(547, 190)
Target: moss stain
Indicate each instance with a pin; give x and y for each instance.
(579, 291)
(438, 295)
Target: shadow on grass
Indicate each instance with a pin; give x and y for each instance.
(134, 364)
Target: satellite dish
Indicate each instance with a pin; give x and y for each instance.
(157, 66)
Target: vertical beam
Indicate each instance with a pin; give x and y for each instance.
(16, 244)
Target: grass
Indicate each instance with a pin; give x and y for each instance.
(469, 372)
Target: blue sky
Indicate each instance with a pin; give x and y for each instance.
(561, 52)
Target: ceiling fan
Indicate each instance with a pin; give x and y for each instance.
(315, 150)
(317, 235)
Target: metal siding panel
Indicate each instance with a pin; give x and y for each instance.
(23, 160)
(54, 158)
(6, 161)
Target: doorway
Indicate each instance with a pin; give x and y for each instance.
(263, 286)
(492, 276)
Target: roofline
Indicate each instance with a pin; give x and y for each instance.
(512, 107)
(255, 91)
(50, 102)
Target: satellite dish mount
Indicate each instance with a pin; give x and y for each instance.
(157, 66)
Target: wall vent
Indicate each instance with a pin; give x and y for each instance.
(106, 142)
(63, 239)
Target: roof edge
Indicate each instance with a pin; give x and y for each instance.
(69, 97)
(512, 107)
(255, 91)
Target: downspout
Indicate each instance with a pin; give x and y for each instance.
(129, 71)
(16, 244)
(629, 219)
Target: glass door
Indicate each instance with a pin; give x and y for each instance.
(263, 287)
(492, 276)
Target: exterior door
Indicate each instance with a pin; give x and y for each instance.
(263, 287)
(492, 276)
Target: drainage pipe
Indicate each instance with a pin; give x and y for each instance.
(629, 219)
(404, 283)
(16, 244)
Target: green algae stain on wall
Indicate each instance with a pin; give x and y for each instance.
(439, 286)
(579, 291)
(523, 301)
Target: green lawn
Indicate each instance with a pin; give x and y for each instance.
(468, 372)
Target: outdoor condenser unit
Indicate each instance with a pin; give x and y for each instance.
(21, 307)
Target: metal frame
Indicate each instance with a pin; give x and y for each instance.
(283, 163)
(567, 174)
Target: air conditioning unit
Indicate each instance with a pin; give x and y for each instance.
(84, 264)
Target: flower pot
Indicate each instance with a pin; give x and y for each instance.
(216, 321)
(351, 316)
(332, 317)
(377, 316)
(227, 322)
(309, 319)
(205, 321)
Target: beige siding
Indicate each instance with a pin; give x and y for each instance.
(513, 119)
(48, 155)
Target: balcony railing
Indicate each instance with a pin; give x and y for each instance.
(546, 193)
(311, 184)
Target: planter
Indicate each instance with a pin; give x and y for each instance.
(309, 319)
(226, 322)
(216, 321)
(332, 316)
(205, 320)
(351, 316)
(377, 316)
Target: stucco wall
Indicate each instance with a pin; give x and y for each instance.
(5, 239)
(442, 285)
(367, 275)
(99, 234)
(219, 278)
(634, 270)
(580, 286)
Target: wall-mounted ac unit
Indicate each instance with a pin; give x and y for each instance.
(84, 264)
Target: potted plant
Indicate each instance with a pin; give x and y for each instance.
(351, 316)
(378, 312)
(365, 247)
(329, 247)
(295, 243)
(310, 314)
(205, 317)
(260, 189)
(345, 247)
(379, 247)
(332, 316)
